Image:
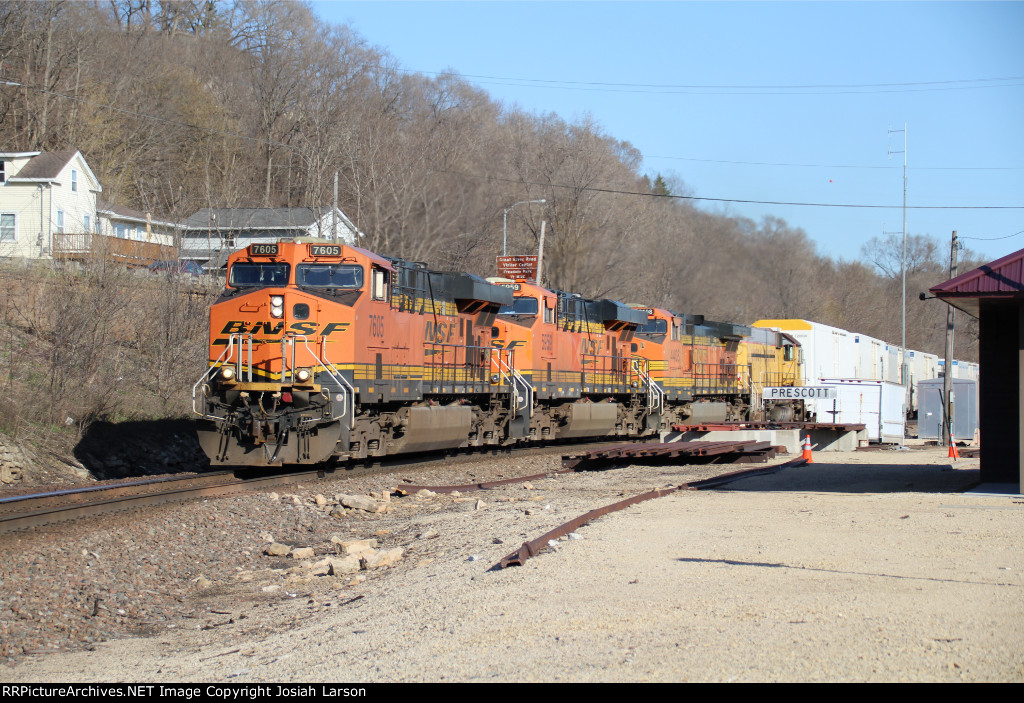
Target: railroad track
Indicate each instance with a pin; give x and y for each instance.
(39, 509)
(36, 510)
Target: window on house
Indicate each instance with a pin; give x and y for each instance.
(85, 223)
(3, 171)
(60, 221)
(7, 227)
(121, 231)
(74, 181)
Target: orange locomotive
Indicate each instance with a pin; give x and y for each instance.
(323, 352)
(574, 365)
(695, 363)
(714, 371)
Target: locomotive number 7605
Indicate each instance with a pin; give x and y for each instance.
(377, 326)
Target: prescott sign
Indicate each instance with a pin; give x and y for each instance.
(800, 392)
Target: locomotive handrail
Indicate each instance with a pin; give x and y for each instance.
(718, 375)
(655, 393)
(348, 391)
(468, 366)
(222, 360)
(514, 379)
(615, 365)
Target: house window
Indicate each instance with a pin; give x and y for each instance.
(85, 223)
(7, 227)
(74, 181)
(60, 221)
(3, 171)
(121, 231)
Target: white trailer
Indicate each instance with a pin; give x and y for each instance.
(878, 405)
(923, 366)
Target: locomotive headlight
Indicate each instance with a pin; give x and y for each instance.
(227, 373)
(303, 375)
(277, 306)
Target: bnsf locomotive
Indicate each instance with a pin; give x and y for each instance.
(321, 352)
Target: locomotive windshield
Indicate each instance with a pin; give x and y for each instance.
(244, 275)
(329, 275)
(520, 306)
(653, 326)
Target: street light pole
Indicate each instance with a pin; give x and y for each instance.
(504, 223)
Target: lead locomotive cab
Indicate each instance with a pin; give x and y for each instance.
(273, 392)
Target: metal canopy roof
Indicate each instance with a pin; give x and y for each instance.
(1002, 279)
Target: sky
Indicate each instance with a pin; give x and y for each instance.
(778, 102)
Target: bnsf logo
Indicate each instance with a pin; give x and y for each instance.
(440, 332)
(309, 329)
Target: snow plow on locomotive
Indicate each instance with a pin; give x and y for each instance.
(324, 352)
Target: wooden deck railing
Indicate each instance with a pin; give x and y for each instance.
(129, 251)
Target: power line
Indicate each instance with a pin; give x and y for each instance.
(737, 201)
(853, 166)
(701, 89)
(994, 239)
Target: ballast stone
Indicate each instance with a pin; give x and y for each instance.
(346, 565)
(333, 566)
(359, 503)
(354, 546)
(374, 560)
(278, 550)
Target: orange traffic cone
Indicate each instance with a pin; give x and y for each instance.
(954, 453)
(807, 450)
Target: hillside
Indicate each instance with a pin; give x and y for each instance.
(89, 349)
(261, 104)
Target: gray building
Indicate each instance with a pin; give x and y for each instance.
(211, 234)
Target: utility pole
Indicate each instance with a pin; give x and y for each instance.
(903, 265)
(947, 377)
(504, 222)
(540, 253)
(334, 211)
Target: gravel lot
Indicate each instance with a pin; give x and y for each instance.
(866, 566)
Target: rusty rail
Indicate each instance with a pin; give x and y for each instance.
(534, 547)
(465, 488)
(741, 450)
(742, 425)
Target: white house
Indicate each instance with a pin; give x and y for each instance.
(211, 234)
(43, 195)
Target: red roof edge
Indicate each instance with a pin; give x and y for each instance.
(995, 279)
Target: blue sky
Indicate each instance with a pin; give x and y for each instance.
(768, 101)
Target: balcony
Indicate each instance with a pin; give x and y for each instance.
(81, 246)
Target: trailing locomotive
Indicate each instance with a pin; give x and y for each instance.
(322, 352)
